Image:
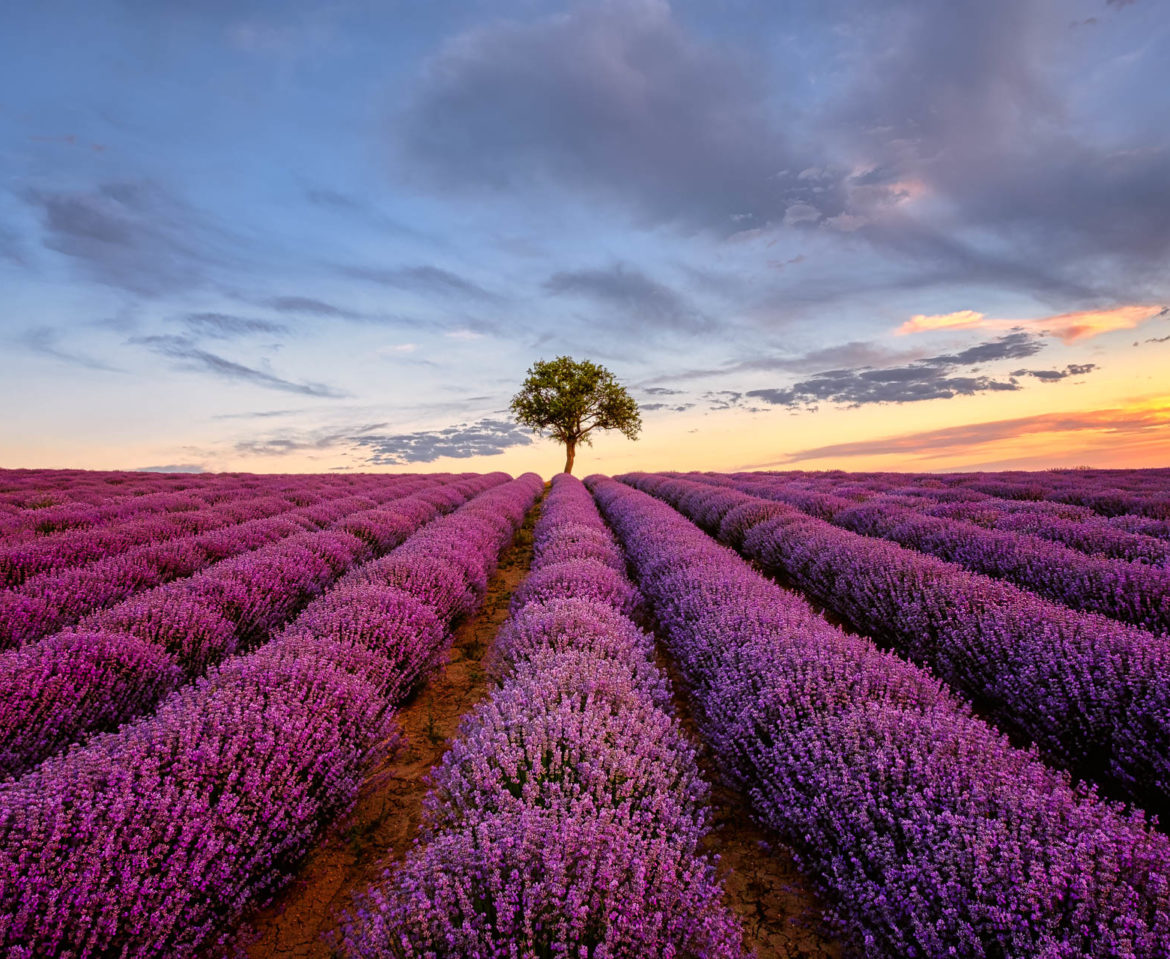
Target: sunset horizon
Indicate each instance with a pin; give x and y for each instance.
(332, 236)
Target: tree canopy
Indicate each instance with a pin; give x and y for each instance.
(570, 399)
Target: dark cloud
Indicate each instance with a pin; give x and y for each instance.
(134, 235)
(936, 377)
(308, 306)
(616, 99)
(224, 326)
(963, 103)
(660, 391)
(487, 437)
(428, 280)
(172, 468)
(56, 343)
(1155, 339)
(1053, 376)
(1013, 346)
(191, 357)
(723, 399)
(637, 298)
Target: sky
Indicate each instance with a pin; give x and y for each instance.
(805, 234)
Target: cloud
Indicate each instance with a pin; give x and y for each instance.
(309, 306)
(257, 414)
(359, 209)
(1069, 327)
(46, 340)
(306, 441)
(192, 357)
(223, 326)
(1140, 418)
(961, 320)
(970, 102)
(428, 280)
(1053, 376)
(617, 100)
(930, 378)
(487, 437)
(132, 234)
(635, 296)
(172, 468)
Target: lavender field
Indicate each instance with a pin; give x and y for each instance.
(656, 714)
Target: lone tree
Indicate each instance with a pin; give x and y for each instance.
(570, 399)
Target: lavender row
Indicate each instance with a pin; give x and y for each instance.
(1134, 593)
(1135, 501)
(55, 600)
(1075, 526)
(1090, 692)
(565, 818)
(1144, 493)
(931, 835)
(154, 840)
(123, 661)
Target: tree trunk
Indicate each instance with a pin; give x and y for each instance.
(570, 449)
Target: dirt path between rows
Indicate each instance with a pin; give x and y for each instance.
(775, 903)
(385, 818)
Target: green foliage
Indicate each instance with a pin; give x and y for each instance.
(569, 399)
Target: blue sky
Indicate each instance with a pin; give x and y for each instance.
(313, 236)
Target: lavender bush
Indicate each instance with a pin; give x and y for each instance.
(153, 840)
(930, 833)
(1089, 691)
(565, 819)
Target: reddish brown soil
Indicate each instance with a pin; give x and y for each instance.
(385, 818)
(779, 910)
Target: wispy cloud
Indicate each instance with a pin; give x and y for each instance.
(310, 306)
(49, 341)
(1069, 327)
(189, 356)
(225, 326)
(426, 279)
(131, 234)
(1151, 416)
(637, 298)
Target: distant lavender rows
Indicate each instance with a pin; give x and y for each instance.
(120, 662)
(1132, 592)
(154, 840)
(565, 818)
(1090, 692)
(1112, 493)
(931, 834)
(37, 503)
(61, 597)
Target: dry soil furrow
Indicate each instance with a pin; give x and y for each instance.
(778, 907)
(386, 816)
